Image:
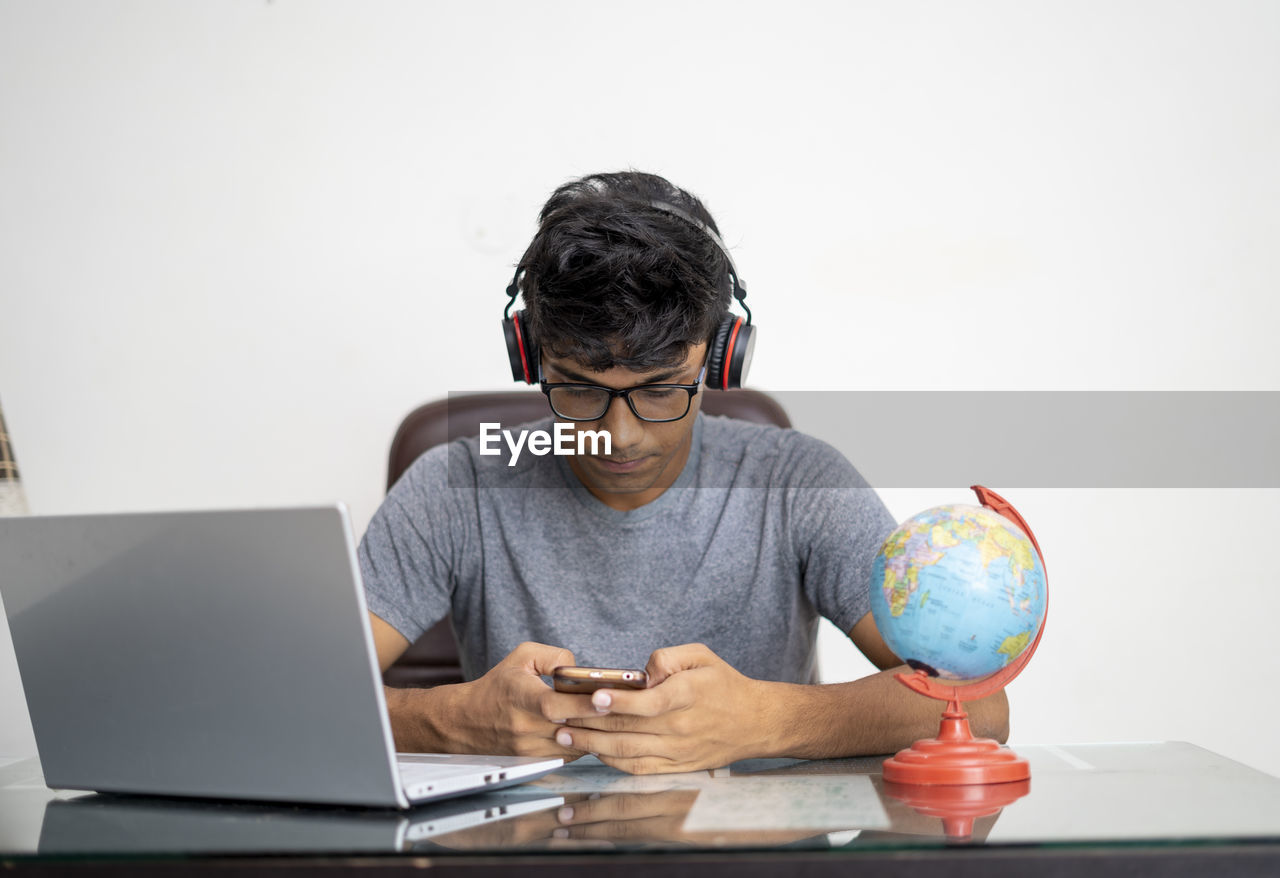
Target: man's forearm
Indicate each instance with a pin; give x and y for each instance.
(418, 719)
(873, 715)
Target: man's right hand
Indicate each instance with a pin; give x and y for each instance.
(508, 711)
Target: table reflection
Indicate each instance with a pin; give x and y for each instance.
(754, 804)
(109, 824)
(1122, 793)
(588, 806)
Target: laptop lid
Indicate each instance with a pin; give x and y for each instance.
(217, 654)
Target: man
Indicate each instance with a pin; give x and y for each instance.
(703, 548)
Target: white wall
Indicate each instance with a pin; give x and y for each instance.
(238, 241)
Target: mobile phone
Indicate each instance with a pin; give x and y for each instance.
(576, 681)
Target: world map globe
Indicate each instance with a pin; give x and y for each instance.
(958, 591)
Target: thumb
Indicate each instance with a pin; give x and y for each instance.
(540, 659)
(673, 659)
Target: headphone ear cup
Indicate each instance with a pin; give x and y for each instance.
(522, 350)
(730, 355)
(715, 358)
(741, 350)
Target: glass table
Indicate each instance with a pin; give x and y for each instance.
(1107, 808)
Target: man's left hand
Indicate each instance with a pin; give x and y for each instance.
(697, 713)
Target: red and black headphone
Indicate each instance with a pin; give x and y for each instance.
(731, 347)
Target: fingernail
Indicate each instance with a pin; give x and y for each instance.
(564, 739)
(601, 699)
(560, 833)
(558, 722)
(564, 815)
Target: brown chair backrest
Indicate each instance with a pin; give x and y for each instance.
(433, 658)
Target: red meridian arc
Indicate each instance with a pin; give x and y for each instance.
(956, 756)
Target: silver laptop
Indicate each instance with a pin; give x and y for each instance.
(214, 654)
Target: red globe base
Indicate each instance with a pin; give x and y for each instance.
(955, 757)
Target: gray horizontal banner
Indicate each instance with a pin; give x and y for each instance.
(1047, 439)
(1050, 439)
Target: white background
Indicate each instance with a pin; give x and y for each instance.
(240, 240)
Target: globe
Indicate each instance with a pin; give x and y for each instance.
(958, 591)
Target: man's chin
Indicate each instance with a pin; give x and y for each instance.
(619, 476)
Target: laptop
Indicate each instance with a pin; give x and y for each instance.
(219, 654)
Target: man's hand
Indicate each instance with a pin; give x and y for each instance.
(697, 713)
(509, 710)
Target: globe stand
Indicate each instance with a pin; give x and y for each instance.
(956, 756)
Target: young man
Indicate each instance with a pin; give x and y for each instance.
(701, 548)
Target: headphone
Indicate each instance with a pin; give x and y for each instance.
(731, 347)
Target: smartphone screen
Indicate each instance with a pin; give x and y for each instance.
(576, 680)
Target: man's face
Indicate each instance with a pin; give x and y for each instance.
(646, 457)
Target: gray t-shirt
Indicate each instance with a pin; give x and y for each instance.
(764, 530)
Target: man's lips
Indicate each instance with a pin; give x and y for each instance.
(619, 466)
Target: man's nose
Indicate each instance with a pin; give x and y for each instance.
(625, 429)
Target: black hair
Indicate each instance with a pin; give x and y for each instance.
(611, 280)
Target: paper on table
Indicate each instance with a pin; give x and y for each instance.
(817, 802)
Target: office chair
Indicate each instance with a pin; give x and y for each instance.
(433, 658)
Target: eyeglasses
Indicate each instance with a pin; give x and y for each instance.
(648, 402)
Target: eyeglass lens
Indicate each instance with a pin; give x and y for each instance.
(590, 403)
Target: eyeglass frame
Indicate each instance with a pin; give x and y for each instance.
(692, 389)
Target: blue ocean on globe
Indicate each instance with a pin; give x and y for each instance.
(959, 591)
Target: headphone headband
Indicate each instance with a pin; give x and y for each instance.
(731, 348)
(738, 286)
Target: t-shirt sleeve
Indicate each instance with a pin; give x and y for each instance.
(838, 523)
(411, 554)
